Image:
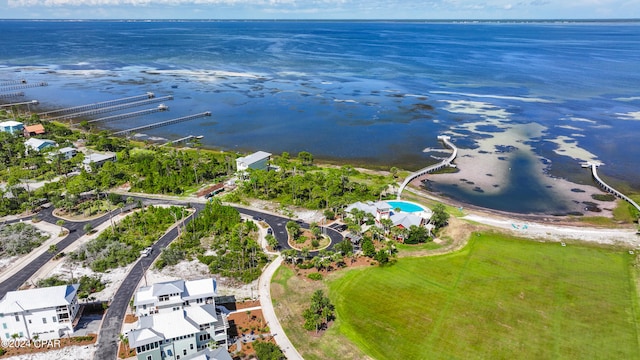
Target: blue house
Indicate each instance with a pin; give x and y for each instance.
(12, 127)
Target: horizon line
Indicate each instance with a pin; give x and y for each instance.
(636, 19)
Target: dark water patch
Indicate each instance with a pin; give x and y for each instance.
(576, 190)
(478, 189)
(522, 192)
(505, 148)
(489, 175)
(502, 158)
(489, 128)
(423, 107)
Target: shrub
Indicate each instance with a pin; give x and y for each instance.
(315, 276)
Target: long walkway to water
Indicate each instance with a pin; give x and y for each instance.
(434, 167)
(605, 186)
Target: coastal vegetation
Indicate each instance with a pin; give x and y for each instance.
(20, 238)
(87, 284)
(120, 244)
(222, 241)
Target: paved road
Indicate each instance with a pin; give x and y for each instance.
(109, 335)
(76, 230)
(107, 346)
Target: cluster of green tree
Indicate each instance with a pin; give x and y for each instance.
(87, 284)
(268, 351)
(299, 183)
(320, 313)
(158, 170)
(20, 238)
(121, 244)
(237, 253)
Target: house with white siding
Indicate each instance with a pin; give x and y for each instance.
(177, 319)
(42, 313)
(257, 161)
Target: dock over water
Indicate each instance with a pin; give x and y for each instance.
(594, 171)
(435, 167)
(163, 123)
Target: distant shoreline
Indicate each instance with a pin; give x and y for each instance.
(425, 21)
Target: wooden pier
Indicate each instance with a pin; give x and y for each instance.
(594, 171)
(106, 109)
(161, 107)
(32, 102)
(97, 105)
(163, 123)
(432, 168)
(22, 86)
(12, 82)
(182, 139)
(11, 95)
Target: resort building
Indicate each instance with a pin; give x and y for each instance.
(177, 319)
(411, 215)
(38, 144)
(11, 126)
(43, 313)
(210, 354)
(257, 161)
(97, 160)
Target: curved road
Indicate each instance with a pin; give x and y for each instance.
(107, 346)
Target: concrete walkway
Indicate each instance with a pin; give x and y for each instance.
(269, 313)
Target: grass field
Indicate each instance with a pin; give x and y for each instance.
(498, 298)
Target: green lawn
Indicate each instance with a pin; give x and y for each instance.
(498, 298)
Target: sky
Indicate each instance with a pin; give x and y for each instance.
(319, 9)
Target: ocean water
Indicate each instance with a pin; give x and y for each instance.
(373, 93)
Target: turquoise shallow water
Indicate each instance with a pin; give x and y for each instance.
(374, 93)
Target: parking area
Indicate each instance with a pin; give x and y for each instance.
(88, 324)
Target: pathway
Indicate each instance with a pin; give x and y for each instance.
(264, 289)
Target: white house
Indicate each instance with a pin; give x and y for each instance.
(38, 144)
(177, 319)
(11, 126)
(42, 313)
(258, 161)
(173, 295)
(97, 159)
(68, 152)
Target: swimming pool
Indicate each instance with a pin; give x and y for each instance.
(405, 206)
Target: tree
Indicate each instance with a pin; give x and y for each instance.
(368, 249)
(268, 351)
(319, 313)
(305, 158)
(382, 257)
(344, 247)
(293, 228)
(440, 217)
(60, 223)
(416, 235)
(272, 241)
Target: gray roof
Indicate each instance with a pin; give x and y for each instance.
(255, 157)
(40, 298)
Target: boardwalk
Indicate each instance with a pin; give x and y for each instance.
(163, 123)
(432, 168)
(605, 186)
(112, 108)
(159, 108)
(97, 105)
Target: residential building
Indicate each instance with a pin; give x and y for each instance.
(42, 313)
(257, 161)
(97, 160)
(173, 295)
(30, 130)
(11, 126)
(68, 152)
(38, 144)
(210, 354)
(177, 319)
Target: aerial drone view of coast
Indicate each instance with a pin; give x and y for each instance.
(525, 103)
